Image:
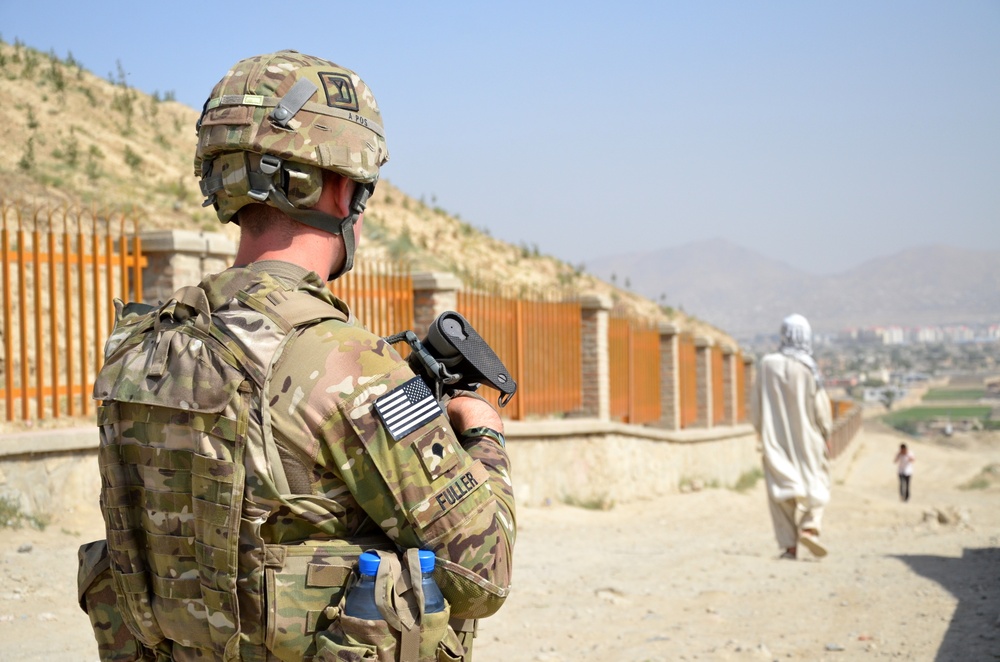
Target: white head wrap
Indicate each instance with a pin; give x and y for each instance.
(796, 342)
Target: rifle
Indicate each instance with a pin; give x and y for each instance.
(454, 356)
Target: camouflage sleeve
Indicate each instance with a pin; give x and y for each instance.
(410, 475)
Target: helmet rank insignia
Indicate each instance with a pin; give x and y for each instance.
(340, 92)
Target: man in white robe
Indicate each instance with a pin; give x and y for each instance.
(791, 413)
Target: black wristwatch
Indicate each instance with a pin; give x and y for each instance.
(475, 433)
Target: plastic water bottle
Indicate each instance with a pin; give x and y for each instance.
(433, 599)
(361, 600)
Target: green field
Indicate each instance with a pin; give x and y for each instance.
(954, 394)
(918, 414)
(910, 420)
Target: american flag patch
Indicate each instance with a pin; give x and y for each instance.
(407, 407)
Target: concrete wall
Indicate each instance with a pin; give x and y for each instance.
(598, 464)
(52, 472)
(582, 462)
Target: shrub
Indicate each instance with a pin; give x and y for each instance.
(70, 152)
(603, 502)
(55, 73)
(12, 517)
(27, 160)
(92, 169)
(132, 160)
(748, 480)
(401, 246)
(30, 64)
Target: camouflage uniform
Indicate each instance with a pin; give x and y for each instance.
(289, 458)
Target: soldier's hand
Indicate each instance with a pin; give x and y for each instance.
(466, 412)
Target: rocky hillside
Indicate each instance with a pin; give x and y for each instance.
(76, 138)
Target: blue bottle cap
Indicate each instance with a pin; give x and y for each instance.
(368, 563)
(426, 560)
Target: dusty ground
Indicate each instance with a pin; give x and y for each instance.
(686, 577)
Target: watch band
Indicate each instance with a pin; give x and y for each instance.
(490, 433)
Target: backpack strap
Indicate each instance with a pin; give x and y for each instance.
(300, 308)
(287, 310)
(291, 309)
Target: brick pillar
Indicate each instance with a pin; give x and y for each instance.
(176, 258)
(729, 383)
(703, 363)
(670, 387)
(594, 311)
(433, 294)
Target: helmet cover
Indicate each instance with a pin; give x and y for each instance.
(329, 121)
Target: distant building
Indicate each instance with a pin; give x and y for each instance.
(842, 382)
(892, 335)
(922, 335)
(911, 378)
(928, 334)
(880, 394)
(960, 333)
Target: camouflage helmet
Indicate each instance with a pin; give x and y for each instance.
(274, 123)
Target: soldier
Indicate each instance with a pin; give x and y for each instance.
(791, 413)
(255, 437)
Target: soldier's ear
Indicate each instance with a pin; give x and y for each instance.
(337, 195)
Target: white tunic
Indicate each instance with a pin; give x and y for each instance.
(791, 412)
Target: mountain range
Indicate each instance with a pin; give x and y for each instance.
(746, 293)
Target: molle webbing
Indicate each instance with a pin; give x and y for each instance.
(173, 517)
(172, 468)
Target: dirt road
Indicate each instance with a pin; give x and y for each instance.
(685, 577)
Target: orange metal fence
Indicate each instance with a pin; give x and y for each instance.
(847, 419)
(60, 268)
(841, 408)
(539, 342)
(380, 295)
(634, 367)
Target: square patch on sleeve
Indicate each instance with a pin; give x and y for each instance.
(407, 408)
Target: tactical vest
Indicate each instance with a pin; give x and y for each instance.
(183, 402)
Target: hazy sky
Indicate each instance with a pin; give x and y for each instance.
(818, 133)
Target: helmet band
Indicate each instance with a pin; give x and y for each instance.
(257, 101)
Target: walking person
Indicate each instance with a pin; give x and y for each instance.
(904, 464)
(791, 412)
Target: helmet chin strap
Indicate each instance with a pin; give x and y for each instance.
(328, 222)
